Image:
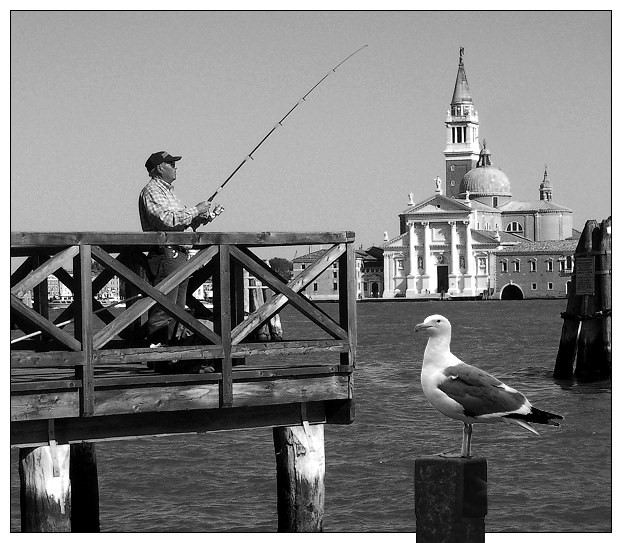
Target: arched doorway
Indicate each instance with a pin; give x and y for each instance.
(374, 290)
(442, 278)
(511, 292)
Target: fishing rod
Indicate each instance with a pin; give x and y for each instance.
(280, 123)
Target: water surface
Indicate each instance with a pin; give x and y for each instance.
(225, 481)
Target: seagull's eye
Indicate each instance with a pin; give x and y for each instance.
(438, 320)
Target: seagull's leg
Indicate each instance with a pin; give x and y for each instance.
(461, 454)
(466, 440)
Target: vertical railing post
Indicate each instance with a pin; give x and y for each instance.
(238, 300)
(83, 294)
(342, 411)
(226, 385)
(347, 301)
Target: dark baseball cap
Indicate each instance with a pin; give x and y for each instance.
(157, 158)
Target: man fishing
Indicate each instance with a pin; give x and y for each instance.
(162, 211)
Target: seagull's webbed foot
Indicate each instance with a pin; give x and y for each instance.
(448, 454)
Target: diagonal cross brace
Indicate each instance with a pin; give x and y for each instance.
(287, 294)
(41, 273)
(44, 324)
(156, 294)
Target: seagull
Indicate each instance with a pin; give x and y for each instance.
(468, 394)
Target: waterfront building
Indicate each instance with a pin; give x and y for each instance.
(540, 269)
(450, 242)
(326, 285)
(371, 265)
(369, 275)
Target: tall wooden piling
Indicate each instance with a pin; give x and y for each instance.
(45, 489)
(585, 344)
(300, 469)
(451, 499)
(84, 488)
(59, 489)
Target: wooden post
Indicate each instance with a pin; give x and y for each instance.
(256, 300)
(605, 288)
(300, 469)
(583, 344)
(275, 328)
(450, 499)
(45, 489)
(59, 489)
(84, 488)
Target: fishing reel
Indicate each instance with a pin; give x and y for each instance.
(212, 214)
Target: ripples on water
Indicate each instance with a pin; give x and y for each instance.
(225, 481)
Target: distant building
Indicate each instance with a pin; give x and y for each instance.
(371, 262)
(369, 275)
(326, 285)
(535, 269)
(452, 242)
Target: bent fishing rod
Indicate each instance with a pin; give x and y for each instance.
(280, 123)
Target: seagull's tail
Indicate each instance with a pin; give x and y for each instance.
(525, 425)
(535, 415)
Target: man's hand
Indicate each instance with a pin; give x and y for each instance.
(204, 207)
(206, 216)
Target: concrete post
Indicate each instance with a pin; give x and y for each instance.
(450, 499)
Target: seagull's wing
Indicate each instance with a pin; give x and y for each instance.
(480, 394)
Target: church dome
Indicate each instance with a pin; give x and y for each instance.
(485, 179)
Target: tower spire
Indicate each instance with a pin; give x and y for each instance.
(462, 94)
(462, 150)
(546, 191)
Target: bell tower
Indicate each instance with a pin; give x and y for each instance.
(546, 191)
(462, 149)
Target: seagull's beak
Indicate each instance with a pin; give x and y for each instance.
(422, 326)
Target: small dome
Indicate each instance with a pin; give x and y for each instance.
(485, 179)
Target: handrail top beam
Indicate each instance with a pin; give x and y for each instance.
(197, 239)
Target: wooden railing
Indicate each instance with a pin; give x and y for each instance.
(112, 338)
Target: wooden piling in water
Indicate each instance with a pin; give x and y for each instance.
(84, 488)
(300, 469)
(45, 489)
(59, 489)
(451, 499)
(585, 344)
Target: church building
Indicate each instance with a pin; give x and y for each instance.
(449, 243)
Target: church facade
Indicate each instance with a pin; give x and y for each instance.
(449, 243)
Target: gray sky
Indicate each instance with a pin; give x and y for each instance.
(93, 94)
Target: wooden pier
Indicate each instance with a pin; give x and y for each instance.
(91, 381)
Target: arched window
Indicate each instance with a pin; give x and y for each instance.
(504, 266)
(514, 226)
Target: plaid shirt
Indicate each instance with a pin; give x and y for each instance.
(160, 209)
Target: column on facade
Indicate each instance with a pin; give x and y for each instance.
(388, 278)
(427, 255)
(469, 261)
(455, 259)
(411, 279)
(427, 258)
